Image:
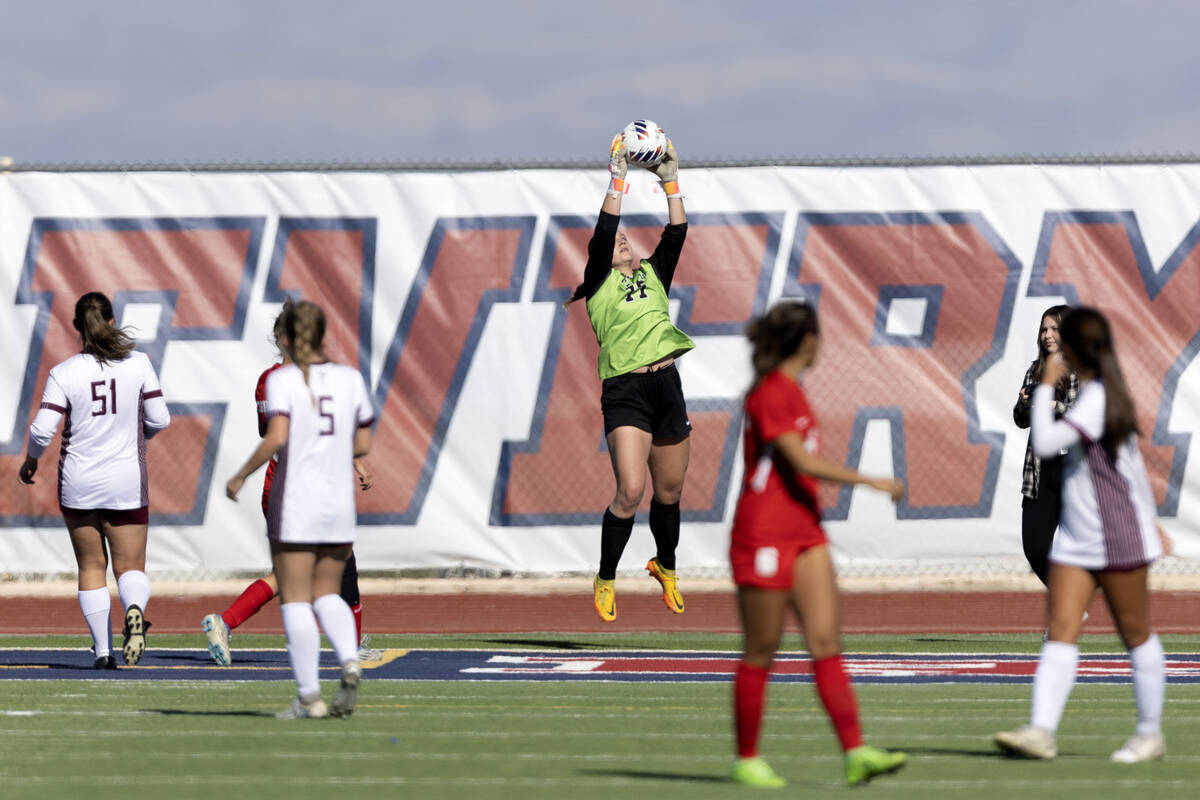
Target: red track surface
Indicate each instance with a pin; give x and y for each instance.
(868, 612)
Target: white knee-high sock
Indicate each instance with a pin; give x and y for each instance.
(134, 588)
(1149, 683)
(1052, 683)
(303, 646)
(96, 607)
(337, 620)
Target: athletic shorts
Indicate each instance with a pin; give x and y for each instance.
(110, 516)
(769, 564)
(649, 401)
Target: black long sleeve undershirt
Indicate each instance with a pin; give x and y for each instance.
(600, 248)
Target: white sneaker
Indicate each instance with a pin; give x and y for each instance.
(1141, 747)
(217, 631)
(300, 708)
(347, 694)
(366, 652)
(1027, 742)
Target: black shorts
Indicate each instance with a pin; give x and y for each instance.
(109, 516)
(649, 401)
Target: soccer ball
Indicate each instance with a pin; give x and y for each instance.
(645, 142)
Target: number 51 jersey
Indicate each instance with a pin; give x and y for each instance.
(110, 410)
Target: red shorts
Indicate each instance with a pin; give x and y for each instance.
(769, 564)
(110, 516)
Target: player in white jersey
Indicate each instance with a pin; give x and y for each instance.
(1108, 537)
(111, 400)
(319, 421)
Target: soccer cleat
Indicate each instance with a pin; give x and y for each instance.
(865, 762)
(366, 652)
(605, 598)
(347, 693)
(300, 708)
(670, 584)
(1027, 742)
(105, 662)
(217, 631)
(136, 627)
(1141, 747)
(755, 772)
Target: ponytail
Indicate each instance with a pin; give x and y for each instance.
(304, 324)
(778, 334)
(1087, 333)
(99, 337)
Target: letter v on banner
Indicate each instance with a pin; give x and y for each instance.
(954, 282)
(469, 264)
(561, 474)
(1099, 259)
(198, 271)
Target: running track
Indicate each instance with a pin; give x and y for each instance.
(709, 612)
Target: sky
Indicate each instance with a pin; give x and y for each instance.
(534, 80)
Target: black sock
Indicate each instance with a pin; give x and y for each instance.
(614, 535)
(664, 524)
(349, 591)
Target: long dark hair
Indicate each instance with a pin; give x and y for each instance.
(1055, 313)
(1087, 333)
(777, 334)
(99, 337)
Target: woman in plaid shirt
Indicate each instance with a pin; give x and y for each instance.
(1042, 480)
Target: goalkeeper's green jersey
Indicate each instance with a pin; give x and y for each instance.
(629, 314)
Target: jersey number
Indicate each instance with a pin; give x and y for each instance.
(108, 405)
(328, 415)
(639, 288)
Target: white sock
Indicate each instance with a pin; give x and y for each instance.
(337, 620)
(96, 607)
(134, 588)
(1052, 683)
(303, 646)
(1149, 683)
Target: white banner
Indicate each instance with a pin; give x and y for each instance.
(445, 290)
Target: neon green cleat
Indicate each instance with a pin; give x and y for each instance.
(755, 772)
(670, 584)
(865, 762)
(605, 598)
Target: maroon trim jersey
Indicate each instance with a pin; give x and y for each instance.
(260, 403)
(108, 410)
(312, 497)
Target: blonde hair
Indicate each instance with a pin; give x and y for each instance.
(99, 337)
(304, 324)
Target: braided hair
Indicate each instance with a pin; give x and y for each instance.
(304, 324)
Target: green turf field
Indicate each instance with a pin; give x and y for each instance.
(190, 739)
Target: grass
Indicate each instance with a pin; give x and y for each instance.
(530, 740)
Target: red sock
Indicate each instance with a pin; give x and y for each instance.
(256, 595)
(749, 692)
(838, 696)
(357, 610)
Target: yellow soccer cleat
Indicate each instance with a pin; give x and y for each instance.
(755, 772)
(865, 762)
(605, 596)
(670, 584)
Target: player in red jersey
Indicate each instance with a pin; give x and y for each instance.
(217, 627)
(779, 552)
